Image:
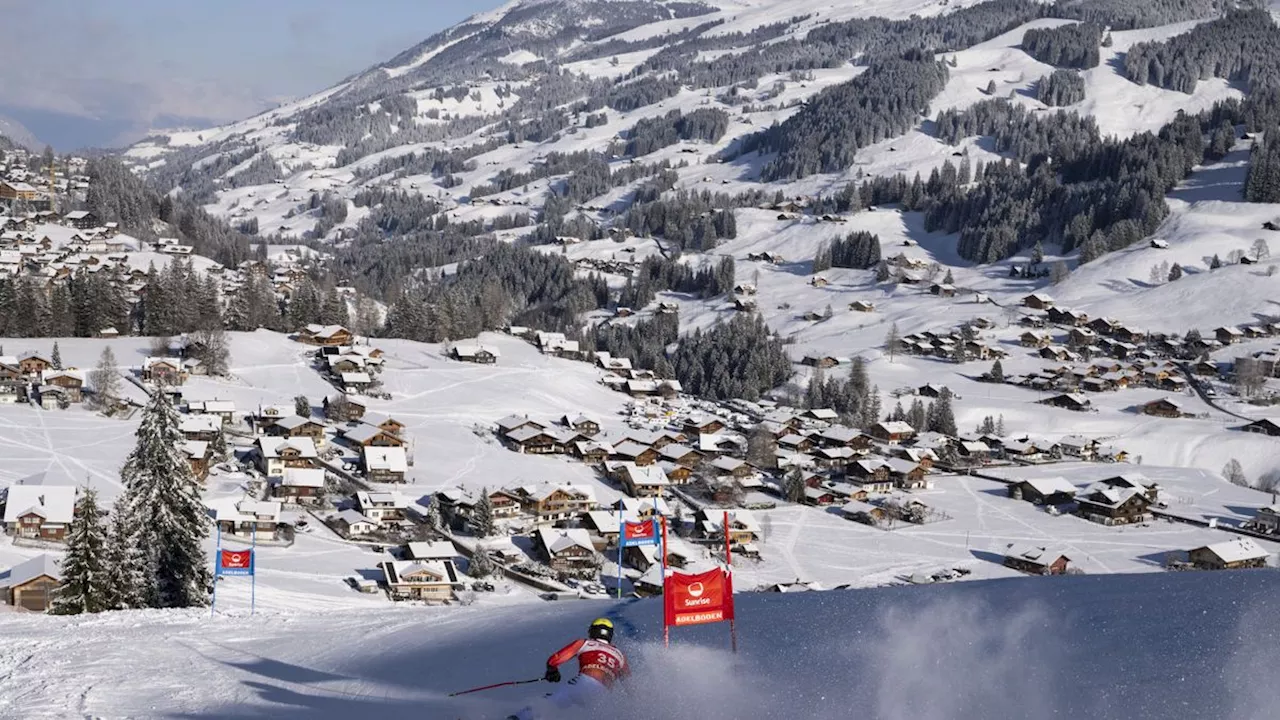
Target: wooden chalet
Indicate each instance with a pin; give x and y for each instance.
(429, 581)
(32, 584)
(1036, 560)
(566, 550)
(1163, 407)
(1236, 554)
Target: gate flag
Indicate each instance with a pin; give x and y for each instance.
(235, 562)
(640, 533)
(698, 599)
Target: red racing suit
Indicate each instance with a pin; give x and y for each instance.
(596, 659)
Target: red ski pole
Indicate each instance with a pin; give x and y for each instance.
(496, 685)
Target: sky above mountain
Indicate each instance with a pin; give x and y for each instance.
(83, 74)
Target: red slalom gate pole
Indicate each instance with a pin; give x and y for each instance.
(495, 685)
(728, 562)
(666, 629)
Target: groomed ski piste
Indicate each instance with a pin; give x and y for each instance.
(1129, 647)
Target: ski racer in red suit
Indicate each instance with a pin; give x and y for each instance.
(600, 665)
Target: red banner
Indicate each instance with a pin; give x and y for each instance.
(697, 599)
(641, 532)
(236, 560)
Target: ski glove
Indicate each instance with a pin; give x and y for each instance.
(553, 674)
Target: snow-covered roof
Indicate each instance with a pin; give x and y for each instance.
(392, 459)
(271, 447)
(352, 517)
(366, 499)
(293, 422)
(362, 433)
(55, 503)
(432, 550)
(303, 477)
(1051, 485)
(648, 476)
(29, 570)
(1038, 555)
(356, 378)
(418, 572)
(200, 423)
(1238, 549)
(640, 506)
(246, 510)
(896, 427)
(557, 540)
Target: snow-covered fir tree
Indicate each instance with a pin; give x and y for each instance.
(55, 358)
(482, 516)
(84, 586)
(167, 517)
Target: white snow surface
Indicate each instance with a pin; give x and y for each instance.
(1170, 646)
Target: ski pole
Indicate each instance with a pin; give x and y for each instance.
(496, 685)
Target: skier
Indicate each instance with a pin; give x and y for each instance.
(600, 665)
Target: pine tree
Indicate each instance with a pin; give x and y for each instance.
(482, 515)
(872, 410)
(1000, 426)
(1215, 263)
(125, 577)
(944, 417)
(893, 341)
(949, 279)
(84, 577)
(105, 380)
(917, 416)
(55, 358)
(1175, 272)
(481, 564)
(997, 372)
(432, 517)
(219, 447)
(302, 406)
(882, 271)
(898, 415)
(167, 516)
(794, 487)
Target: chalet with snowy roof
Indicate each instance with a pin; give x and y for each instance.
(1069, 401)
(474, 354)
(862, 306)
(516, 422)
(296, 426)
(1267, 519)
(565, 550)
(325, 335)
(33, 364)
(366, 435)
(865, 513)
(641, 455)
(1113, 505)
(839, 436)
(700, 424)
(32, 584)
(1228, 335)
(350, 523)
(71, 382)
(893, 432)
(274, 454)
(1264, 426)
(871, 474)
(38, 511)
(1036, 560)
(383, 508)
(581, 424)
(732, 467)
(908, 475)
(554, 503)
(1235, 554)
(344, 408)
(248, 518)
(1078, 446)
(385, 464)
(680, 455)
(646, 481)
(166, 370)
(1164, 407)
(1038, 301)
(429, 581)
(743, 526)
(1044, 491)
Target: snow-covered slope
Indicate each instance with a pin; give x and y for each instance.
(1136, 647)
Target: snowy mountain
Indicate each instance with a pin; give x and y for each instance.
(1151, 646)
